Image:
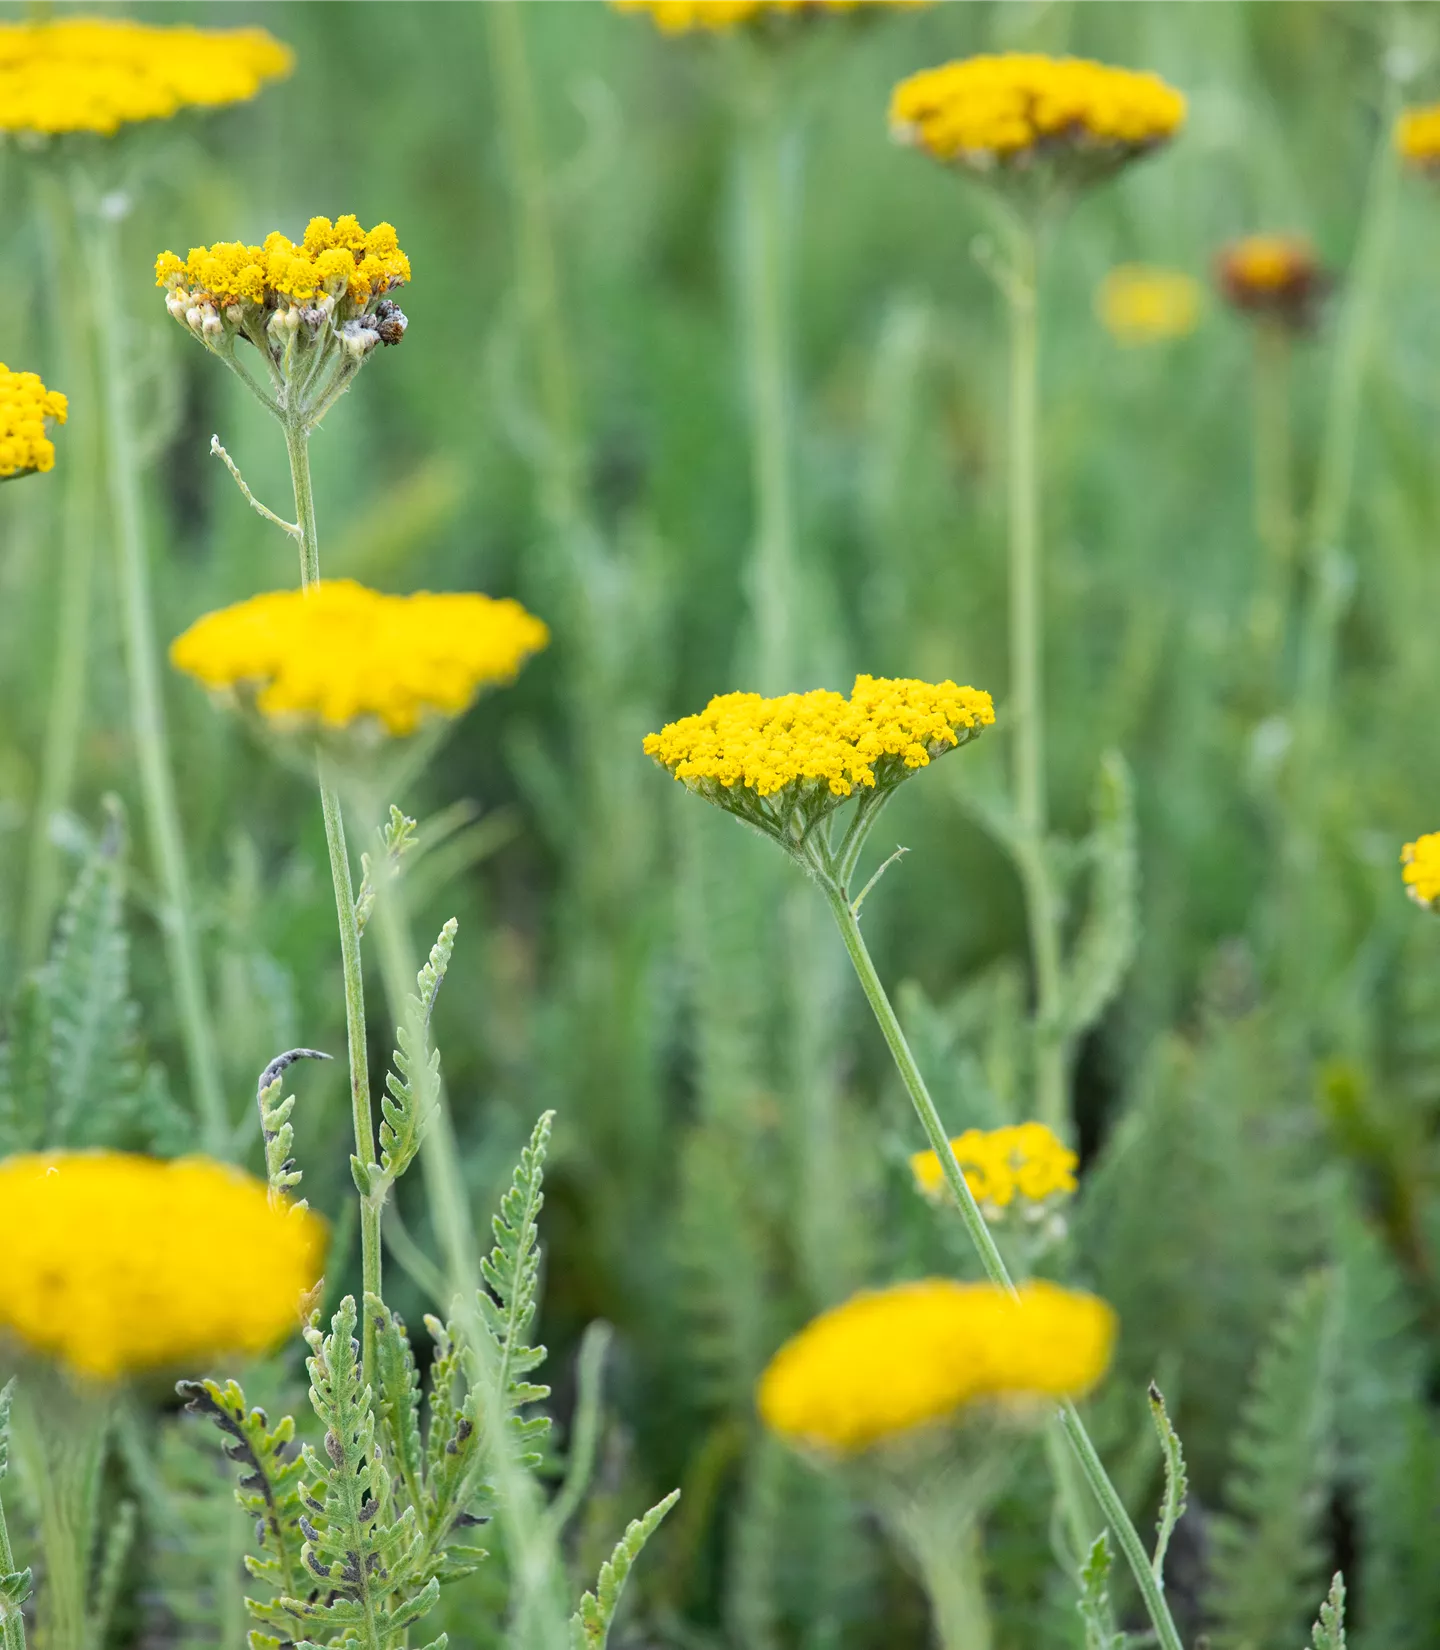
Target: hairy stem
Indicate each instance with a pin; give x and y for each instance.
(13, 1635)
(147, 711)
(297, 445)
(1274, 503)
(60, 1447)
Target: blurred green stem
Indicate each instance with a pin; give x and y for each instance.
(948, 1555)
(99, 234)
(59, 1440)
(1274, 504)
(65, 714)
(1151, 1590)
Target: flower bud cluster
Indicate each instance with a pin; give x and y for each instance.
(25, 404)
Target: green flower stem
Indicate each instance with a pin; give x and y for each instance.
(60, 1441)
(949, 1559)
(297, 445)
(80, 462)
(147, 712)
(1274, 503)
(1027, 692)
(1091, 1465)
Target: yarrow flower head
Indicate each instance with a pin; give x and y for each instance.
(117, 1263)
(891, 1360)
(684, 16)
(1024, 1164)
(785, 764)
(1140, 305)
(315, 309)
(1061, 119)
(1273, 278)
(94, 74)
(341, 657)
(1417, 137)
(25, 404)
(1421, 873)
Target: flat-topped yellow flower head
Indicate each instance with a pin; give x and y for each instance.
(340, 656)
(1417, 137)
(1024, 1164)
(1019, 112)
(1138, 304)
(25, 404)
(685, 16)
(1421, 873)
(891, 1360)
(116, 1263)
(1274, 278)
(97, 74)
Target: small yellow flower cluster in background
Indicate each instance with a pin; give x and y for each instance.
(741, 740)
(893, 1359)
(337, 260)
(1417, 136)
(1006, 110)
(1273, 277)
(1138, 304)
(92, 74)
(114, 1262)
(682, 16)
(340, 654)
(1025, 1160)
(1421, 861)
(25, 404)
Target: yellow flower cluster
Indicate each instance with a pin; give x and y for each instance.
(340, 654)
(335, 259)
(92, 74)
(114, 1262)
(821, 738)
(1025, 1160)
(1141, 305)
(681, 16)
(25, 404)
(1276, 277)
(893, 1359)
(1417, 135)
(1421, 861)
(1005, 109)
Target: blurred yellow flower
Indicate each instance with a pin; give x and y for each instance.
(93, 74)
(1421, 861)
(1016, 108)
(1417, 135)
(337, 260)
(1139, 304)
(339, 654)
(114, 1262)
(681, 16)
(1273, 277)
(25, 404)
(1025, 1160)
(893, 1359)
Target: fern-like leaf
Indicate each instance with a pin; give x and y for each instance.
(276, 1129)
(1329, 1630)
(590, 1625)
(1095, 1608)
(14, 1584)
(399, 1399)
(1105, 945)
(410, 1088)
(1172, 1503)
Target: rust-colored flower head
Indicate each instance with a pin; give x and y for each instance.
(1274, 278)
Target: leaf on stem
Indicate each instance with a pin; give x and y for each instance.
(1172, 1505)
(1105, 945)
(590, 1625)
(1329, 1631)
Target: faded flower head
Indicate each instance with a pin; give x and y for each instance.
(315, 309)
(25, 404)
(1138, 304)
(1021, 113)
(1274, 278)
(1024, 1165)
(684, 16)
(783, 764)
(890, 1360)
(116, 1263)
(96, 74)
(1417, 137)
(1421, 873)
(340, 656)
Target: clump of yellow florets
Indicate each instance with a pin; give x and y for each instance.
(25, 404)
(1012, 110)
(1417, 136)
(1141, 305)
(335, 260)
(682, 16)
(1421, 862)
(1025, 1161)
(894, 1359)
(115, 1263)
(93, 74)
(339, 655)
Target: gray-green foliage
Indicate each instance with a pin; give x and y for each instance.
(590, 1625)
(1105, 944)
(410, 1087)
(1329, 1630)
(1096, 1610)
(1172, 1503)
(14, 1584)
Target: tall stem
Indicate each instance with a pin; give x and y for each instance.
(948, 1555)
(60, 1446)
(1274, 505)
(1091, 1465)
(147, 711)
(1027, 685)
(297, 445)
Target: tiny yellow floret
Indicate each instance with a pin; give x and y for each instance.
(1138, 304)
(1417, 136)
(890, 1360)
(25, 404)
(1025, 1160)
(340, 654)
(337, 260)
(96, 74)
(683, 16)
(116, 1263)
(1011, 109)
(1421, 861)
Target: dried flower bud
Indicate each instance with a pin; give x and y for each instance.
(1274, 278)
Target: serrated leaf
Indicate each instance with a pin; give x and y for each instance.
(590, 1625)
(1095, 1608)
(1329, 1630)
(1172, 1504)
(411, 1087)
(1105, 945)
(7, 1398)
(399, 1398)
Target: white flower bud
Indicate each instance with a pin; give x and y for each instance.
(212, 325)
(177, 303)
(195, 317)
(358, 340)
